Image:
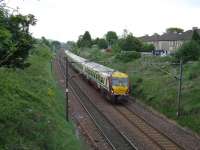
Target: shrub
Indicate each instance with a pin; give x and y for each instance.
(189, 51)
(194, 71)
(102, 44)
(130, 43)
(147, 47)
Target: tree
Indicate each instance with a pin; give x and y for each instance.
(80, 41)
(87, 36)
(70, 45)
(95, 41)
(156, 34)
(196, 37)
(130, 43)
(111, 37)
(174, 30)
(46, 42)
(102, 44)
(56, 45)
(125, 33)
(188, 51)
(16, 41)
(85, 40)
(147, 47)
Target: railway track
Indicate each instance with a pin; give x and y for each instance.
(116, 139)
(160, 139)
(110, 132)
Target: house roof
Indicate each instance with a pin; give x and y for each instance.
(187, 35)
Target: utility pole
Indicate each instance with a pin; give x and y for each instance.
(66, 89)
(180, 86)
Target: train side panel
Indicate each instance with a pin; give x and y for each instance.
(100, 76)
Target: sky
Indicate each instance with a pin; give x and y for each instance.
(65, 20)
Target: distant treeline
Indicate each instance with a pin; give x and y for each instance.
(189, 51)
(127, 42)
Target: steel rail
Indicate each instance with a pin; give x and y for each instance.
(108, 140)
(112, 126)
(140, 129)
(151, 126)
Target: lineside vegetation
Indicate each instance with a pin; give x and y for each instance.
(32, 107)
(154, 79)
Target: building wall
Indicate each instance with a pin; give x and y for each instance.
(167, 45)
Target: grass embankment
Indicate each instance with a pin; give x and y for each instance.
(153, 86)
(32, 108)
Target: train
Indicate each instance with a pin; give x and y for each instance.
(112, 84)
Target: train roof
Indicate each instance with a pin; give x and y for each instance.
(118, 74)
(100, 68)
(76, 58)
(106, 71)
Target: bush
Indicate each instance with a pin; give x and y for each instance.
(193, 71)
(189, 51)
(147, 47)
(32, 108)
(102, 44)
(130, 43)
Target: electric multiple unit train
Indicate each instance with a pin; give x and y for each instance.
(114, 85)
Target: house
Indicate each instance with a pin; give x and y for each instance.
(169, 41)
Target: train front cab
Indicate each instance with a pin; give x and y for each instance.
(119, 87)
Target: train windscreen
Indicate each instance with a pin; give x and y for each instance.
(119, 81)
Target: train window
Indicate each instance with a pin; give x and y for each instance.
(119, 81)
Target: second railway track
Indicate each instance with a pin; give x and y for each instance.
(160, 139)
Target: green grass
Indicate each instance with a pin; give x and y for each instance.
(157, 88)
(32, 108)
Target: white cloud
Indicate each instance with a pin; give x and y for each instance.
(67, 19)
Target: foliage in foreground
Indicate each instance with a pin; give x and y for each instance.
(15, 39)
(32, 108)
